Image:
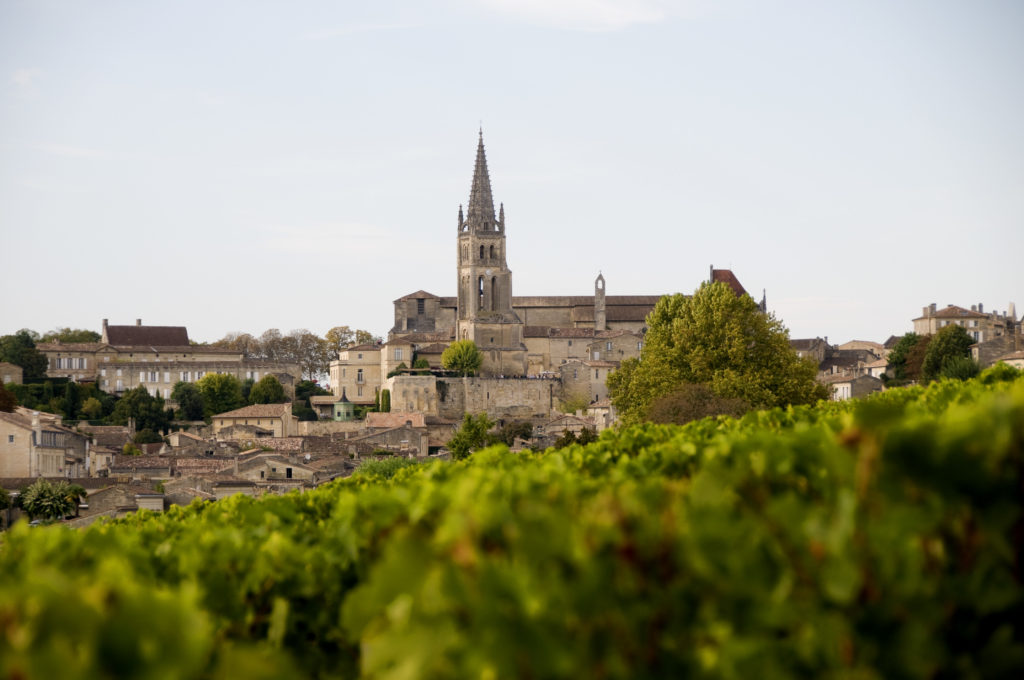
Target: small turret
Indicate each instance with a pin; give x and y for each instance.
(462, 221)
(501, 217)
(600, 317)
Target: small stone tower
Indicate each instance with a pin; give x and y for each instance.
(485, 313)
(599, 308)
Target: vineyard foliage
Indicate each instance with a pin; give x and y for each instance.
(879, 538)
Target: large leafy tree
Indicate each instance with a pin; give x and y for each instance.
(20, 349)
(190, 401)
(463, 357)
(267, 391)
(718, 339)
(951, 342)
(147, 410)
(220, 392)
(898, 355)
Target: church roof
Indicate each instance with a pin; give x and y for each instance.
(418, 295)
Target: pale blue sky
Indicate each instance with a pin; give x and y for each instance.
(237, 166)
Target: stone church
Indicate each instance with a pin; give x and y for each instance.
(557, 337)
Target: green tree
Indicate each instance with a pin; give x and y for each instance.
(719, 339)
(385, 401)
(43, 500)
(72, 400)
(305, 389)
(92, 408)
(220, 392)
(471, 436)
(71, 335)
(949, 343)
(20, 349)
(267, 391)
(190, 401)
(398, 370)
(146, 410)
(5, 499)
(898, 356)
(366, 338)
(147, 436)
(509, 432)
(960, 368)
(8, 400)
(915, 357)
(422, 365)
(693, 401)
(463, 357)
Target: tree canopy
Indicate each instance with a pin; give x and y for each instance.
(471, 436)
(463, 357)
(220, 392)
(898, 355)
(20, 349)
(951, 342)
(267, 391)
(718, 339)
(147, 410)
(71, 335)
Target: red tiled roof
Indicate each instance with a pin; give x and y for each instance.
(258, 411)
(728, 278)
(150, 336)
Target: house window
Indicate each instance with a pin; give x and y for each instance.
(359, 375)
(288, 473)
(608, 346)
(421, 306)
(575, 374)
(120, 385)
(360, 355)
(359, 390)
(597, 355)
(119, 373)
(398, 354)
(570, 343)
(343, 373)
(10, 439)
(167, 376)
(597, 374)
(103, 372)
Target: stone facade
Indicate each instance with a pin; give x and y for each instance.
(276, 418)
(357, 373)
(11, 373)
(33, 445)
(980, 325)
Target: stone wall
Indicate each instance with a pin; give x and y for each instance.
(327, 427)
(498, 398)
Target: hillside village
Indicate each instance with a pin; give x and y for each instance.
(545, 363)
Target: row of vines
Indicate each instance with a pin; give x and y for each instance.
(876, 539)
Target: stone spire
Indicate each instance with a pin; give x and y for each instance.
(481, 203)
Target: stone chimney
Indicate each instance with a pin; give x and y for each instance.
(104, 334)
(138, 322)
(931, 308)
(974, 308)
(981, 308)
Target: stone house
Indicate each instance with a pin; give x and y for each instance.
(357, 373)
(11, 373)
(274, 418)
(157, 357)
(405, 440)
(32, 445)
(1015, 359)
(990, 351)
(980, 325)
(585, 379)
(813, 348)
(851, 386)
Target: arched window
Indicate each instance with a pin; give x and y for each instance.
(480, 291)
(494, 292)
(492, 252)
(481, 252)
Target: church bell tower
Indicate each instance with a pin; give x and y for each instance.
(485, 313)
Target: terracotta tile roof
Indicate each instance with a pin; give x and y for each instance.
(954, 312)
(259, 411)
(616, 334)
(728, 278)
(394, 419)
(280, 443)
(536, 331)
(878, 363)
(192, 465)
(141, 462)
(805, 343)
(630, 313)
(436, 348)
(151, 336)
(1012, 356)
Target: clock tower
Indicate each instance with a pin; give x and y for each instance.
(485, 313)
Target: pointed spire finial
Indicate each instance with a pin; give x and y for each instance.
(481, 203)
